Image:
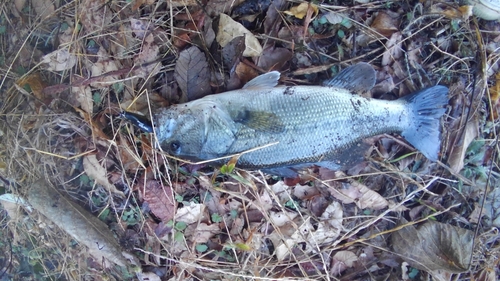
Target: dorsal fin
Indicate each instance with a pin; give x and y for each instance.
(264, 81)
(357, 78)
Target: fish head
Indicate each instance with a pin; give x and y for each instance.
(194, 131)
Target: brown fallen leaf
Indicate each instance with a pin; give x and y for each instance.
(457, 155)
(300, 11)
(275, 59)
(43, 8)
(59, 60)
(495, 98)
(84, 227)
(435, 246)
(192, 73)
(230, 29)
(385, 23)
(160, 199)
(355, 192)
(97, 172)
(145, 59)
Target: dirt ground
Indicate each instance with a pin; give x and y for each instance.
(85, 193)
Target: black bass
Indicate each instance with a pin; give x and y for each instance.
(319, 125)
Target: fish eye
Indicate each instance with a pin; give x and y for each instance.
(175, 146)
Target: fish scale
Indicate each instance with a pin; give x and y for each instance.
(330, 115)
(321, 125)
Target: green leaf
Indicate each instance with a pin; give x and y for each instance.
(201, 248)
(179, 198)
(291, 204)
(3, 29)
(104, 214)
(97, 98)
(118, 87)
(180, 225)
(346, 22)
(216, 218)
(233, 213)
(340, 33)
(179, 236)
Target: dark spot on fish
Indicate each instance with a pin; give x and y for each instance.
(306, 98)
(355, 105)
(289, 91)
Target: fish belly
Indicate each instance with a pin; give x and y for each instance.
(319, 124)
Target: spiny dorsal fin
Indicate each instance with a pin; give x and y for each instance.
(357, 78)
(264, 81)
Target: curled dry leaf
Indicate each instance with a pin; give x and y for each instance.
(457, 155)
(103, 65)
(435, 246)
(97, 172)
(160, 200)
(364, 197)
(385, 23)
(230, 29)
(192, 73)
(59, 60)
(83, 94)
(274, 58)
(44, 8)
(341, 261)
(146, 57)
(495, 97)
(300, 11)
(77, 222)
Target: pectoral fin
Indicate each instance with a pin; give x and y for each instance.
(260, 121)
(357, 78)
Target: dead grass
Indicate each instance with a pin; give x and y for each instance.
(243, 225)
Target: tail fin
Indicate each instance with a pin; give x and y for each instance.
(427, 107)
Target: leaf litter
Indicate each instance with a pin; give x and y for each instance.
(66, 83)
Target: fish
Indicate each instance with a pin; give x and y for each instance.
(298, 126)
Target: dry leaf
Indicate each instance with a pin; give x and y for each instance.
(83, 95)
(36, 84)
(43, 8)
(146, 58)
(341, 261)
(495, 97)
(97, 172)
(385, 24)
(457, 156)
(275, 59)
(435, 246)
(160, 200)
(190, 214)
(103, 65)
(230, 29)
(364, 197)
(59, 60)
(77, 222)
(192, 73)
(300, 11)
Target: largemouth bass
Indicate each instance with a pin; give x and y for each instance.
(320, 125)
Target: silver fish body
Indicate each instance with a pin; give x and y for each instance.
(308, 124)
